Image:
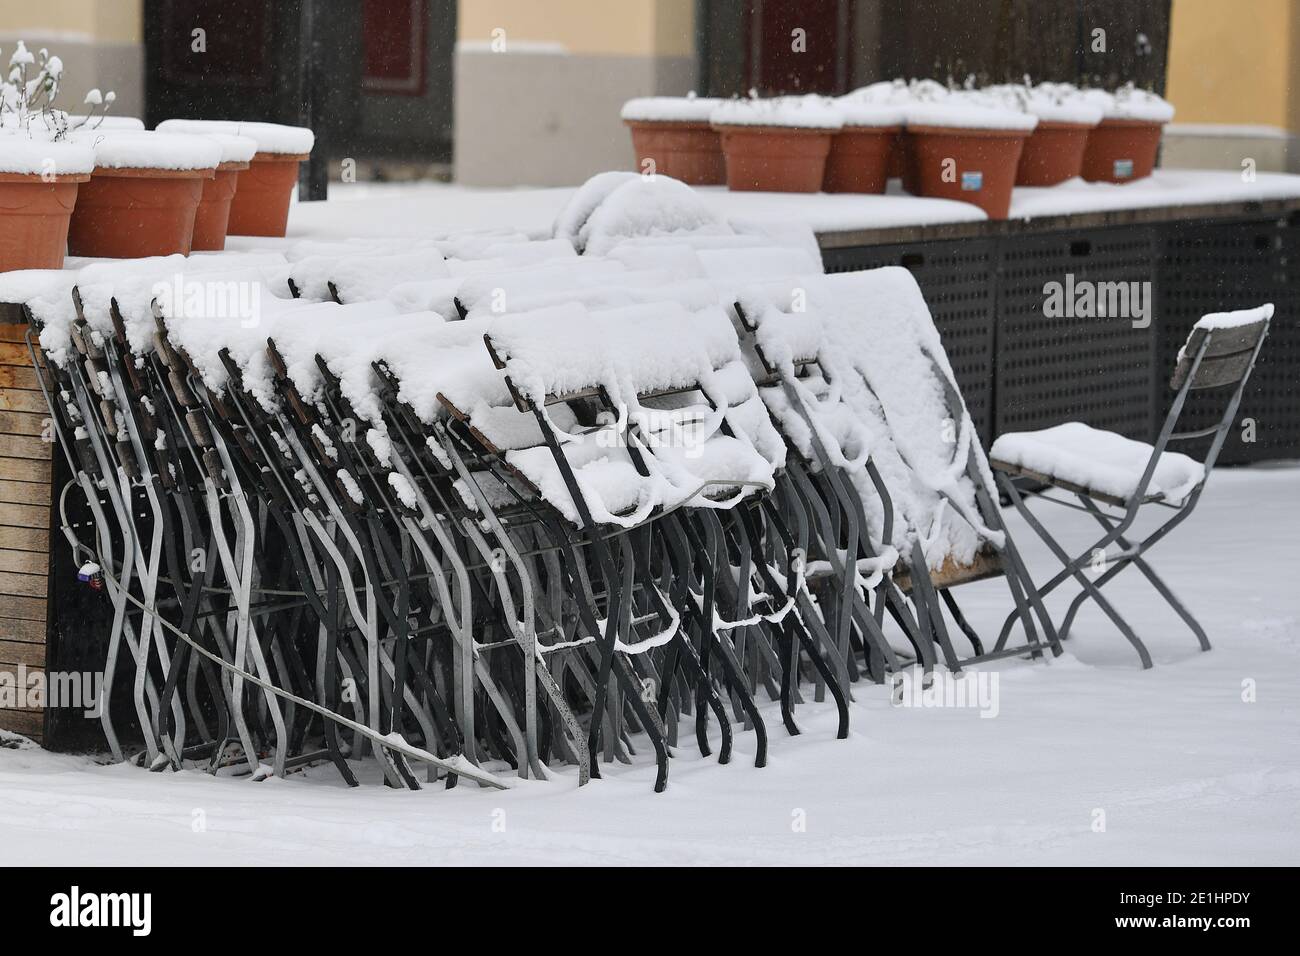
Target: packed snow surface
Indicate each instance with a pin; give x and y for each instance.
(1188, 768)
(428, 210)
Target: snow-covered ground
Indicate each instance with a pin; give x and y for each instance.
(1179, 767)
(429, 209)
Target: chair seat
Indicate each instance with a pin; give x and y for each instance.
(1100, 464)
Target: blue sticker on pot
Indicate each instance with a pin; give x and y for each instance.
(1123, 169)
(972, 182)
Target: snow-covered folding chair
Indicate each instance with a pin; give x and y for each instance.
(885, 361)
(831, 475)
(102, 408)
(540, 572)
(446, 511)
(1101, 468)
(678, 432)
(336, 543)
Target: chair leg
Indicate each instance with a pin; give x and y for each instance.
(1074, 568)
(1156, 582)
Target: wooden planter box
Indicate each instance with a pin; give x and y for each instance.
(25, 495)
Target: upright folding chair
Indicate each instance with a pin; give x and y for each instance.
(1099, 467)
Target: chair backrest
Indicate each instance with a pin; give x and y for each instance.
(1219, 353)
(1226, 344)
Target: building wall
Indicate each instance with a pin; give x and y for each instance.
(538, 86)
(99, 41)
(1234, 76)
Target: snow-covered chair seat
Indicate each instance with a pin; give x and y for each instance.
(1098, 463)
(593, 282)
(678, 417)
(238, 285)
(361, 278)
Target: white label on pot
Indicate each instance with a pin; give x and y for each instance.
(972, 182)
(1123, 169)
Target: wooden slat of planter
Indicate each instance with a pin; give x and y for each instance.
(23, 400)
(26, 446)
(25, 516)
(24, 585)
(25, 562)
(22, 652)
(25, 539)
(14, 332)
(24, 469)
(18, 608)
(19, 376)
(25, 492)
(25, 476)
(17, 353)
(22, 632)
(29, 723)
(18, 679)
(23, 423)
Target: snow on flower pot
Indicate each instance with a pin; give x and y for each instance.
(1053, 152)
(264, 191)
(967, 152)
(143, 195)
(1124, 146)
(860, 153)
(38, 191)
(672, 135)
(778, 144)
(213, 215)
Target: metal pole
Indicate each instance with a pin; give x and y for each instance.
(313, 181)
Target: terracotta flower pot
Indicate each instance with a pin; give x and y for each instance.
(1053, 153)
(1120, 151)
(896, 165)
(783, 159)
(133, 213)
(34, 217)
(213, 214)
(691, 152)
(983, 167)
(261, 203)
(859, 159)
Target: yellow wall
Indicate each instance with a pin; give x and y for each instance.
(611, 27)
(1232, 61)
(116, 21)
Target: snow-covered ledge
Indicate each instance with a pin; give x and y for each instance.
(428, 209)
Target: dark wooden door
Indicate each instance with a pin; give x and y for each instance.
(380, 84)
(746, 44)
(798, 46)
